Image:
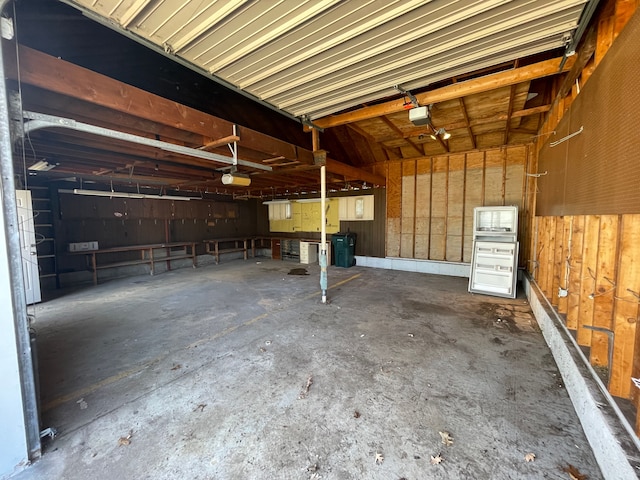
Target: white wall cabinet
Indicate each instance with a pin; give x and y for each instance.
(356, 208)
(308, 253)
(280, 211)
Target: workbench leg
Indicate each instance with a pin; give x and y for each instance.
(151, 270)
(94, 268)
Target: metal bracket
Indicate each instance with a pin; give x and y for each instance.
(304, 119)
(411, 96)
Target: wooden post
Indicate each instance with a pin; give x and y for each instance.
(626, 309)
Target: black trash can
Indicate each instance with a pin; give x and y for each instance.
(344, 249)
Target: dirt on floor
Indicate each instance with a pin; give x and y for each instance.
(238, 371)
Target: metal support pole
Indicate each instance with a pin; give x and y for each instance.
(323, 260)
(323, 240)
(16, 281)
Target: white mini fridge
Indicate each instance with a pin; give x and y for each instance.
(494, 263)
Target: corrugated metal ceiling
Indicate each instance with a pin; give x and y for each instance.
(318, 57)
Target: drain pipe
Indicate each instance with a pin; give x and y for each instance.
(9, 209)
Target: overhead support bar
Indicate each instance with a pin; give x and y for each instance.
(38, 121)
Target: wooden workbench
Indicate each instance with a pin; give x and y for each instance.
(240, 244)
(146, 256)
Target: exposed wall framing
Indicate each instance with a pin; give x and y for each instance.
(593, 260)
(430, 200)
(587, 261)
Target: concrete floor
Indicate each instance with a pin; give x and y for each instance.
(204, 374)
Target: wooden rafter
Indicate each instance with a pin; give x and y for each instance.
(400, 134)
(469, 87)
(465, 115)
(463, 109)
(512, 95)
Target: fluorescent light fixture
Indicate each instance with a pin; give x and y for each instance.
(169, 197)
(275, 202)
(236, 179)
(308, 200)
(42, 166)
(102, 193)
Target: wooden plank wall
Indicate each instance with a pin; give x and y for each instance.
(430, 200)
(595, 258)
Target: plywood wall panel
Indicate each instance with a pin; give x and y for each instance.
(472, 198)
(475, 160)
(454, 248)
(422, 246)
(408, 209)
(455, 208)
(394, 190)
(423, 195)
(393, 237)
(433, 199)
(493, 186)
(513, 185)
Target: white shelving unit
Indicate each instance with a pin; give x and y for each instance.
(308, 253)
(494, 264)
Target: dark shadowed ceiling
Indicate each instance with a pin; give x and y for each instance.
(483, 68)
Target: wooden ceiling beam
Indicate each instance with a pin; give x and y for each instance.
(38, 100)
(58, 76)
(61, 77)
(450, 92)
(353, 173)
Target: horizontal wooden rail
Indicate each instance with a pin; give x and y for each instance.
(146, 256)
